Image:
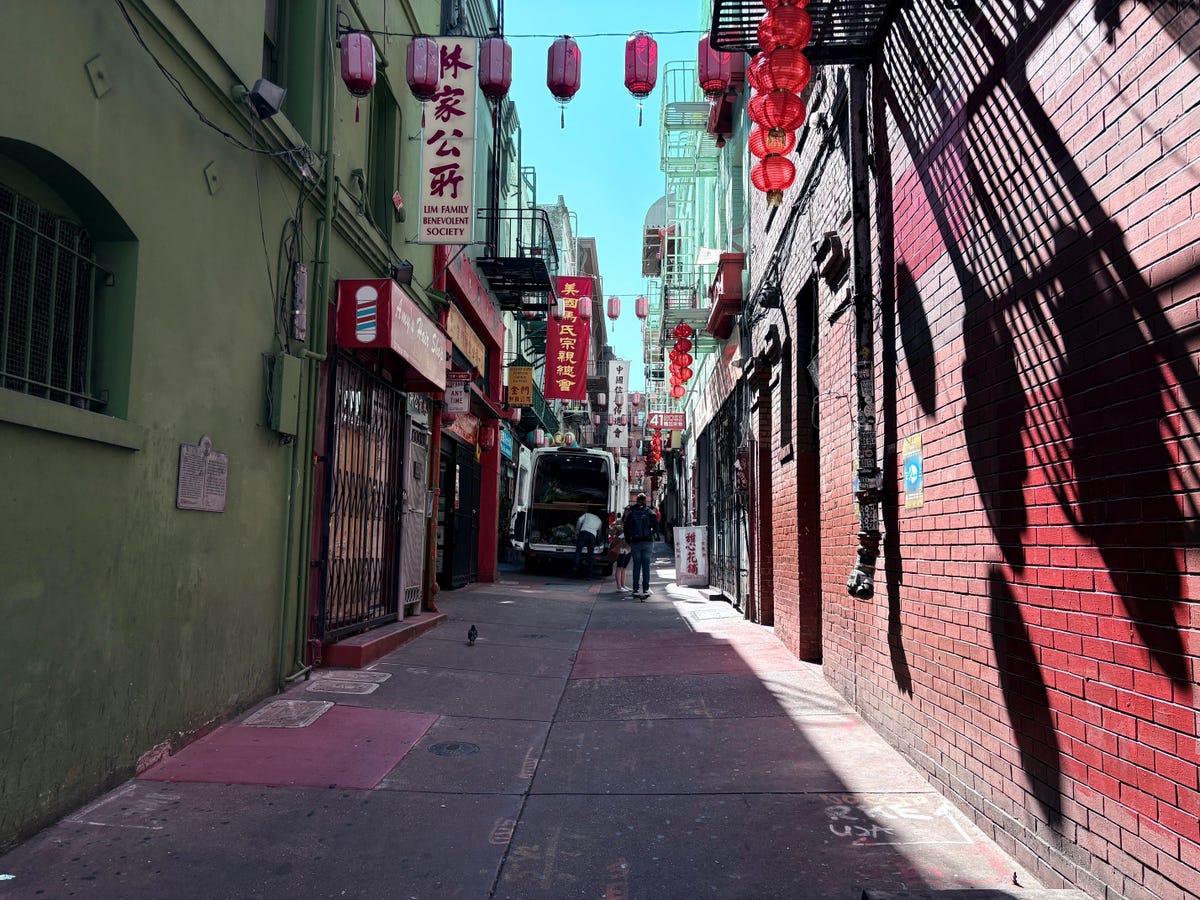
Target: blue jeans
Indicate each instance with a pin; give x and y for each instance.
(585, 539)
(641, 563)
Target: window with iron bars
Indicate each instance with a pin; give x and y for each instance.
(49, 284)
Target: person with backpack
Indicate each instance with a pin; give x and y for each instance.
(641, 529)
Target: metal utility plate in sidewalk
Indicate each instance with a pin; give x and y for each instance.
(347, 747)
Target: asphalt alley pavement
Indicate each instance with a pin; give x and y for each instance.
(587, 745)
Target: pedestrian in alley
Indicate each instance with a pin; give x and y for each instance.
(587, 528)
(621, 563)
(641, 530)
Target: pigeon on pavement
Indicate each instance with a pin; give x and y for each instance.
(472, 633)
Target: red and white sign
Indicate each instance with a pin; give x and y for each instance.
(691, 556)
(458, 392)
(448, 148)
(671, 420)
(567, 342)
(375, 312)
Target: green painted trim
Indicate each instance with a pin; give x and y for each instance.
(58, 418)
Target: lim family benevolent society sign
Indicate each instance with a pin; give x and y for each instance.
(448, 148)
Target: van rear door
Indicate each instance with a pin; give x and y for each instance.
(520, 509)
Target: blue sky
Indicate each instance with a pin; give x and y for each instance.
(602, 163)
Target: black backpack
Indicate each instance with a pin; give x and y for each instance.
(639, 525)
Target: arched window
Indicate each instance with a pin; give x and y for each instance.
(67, 271)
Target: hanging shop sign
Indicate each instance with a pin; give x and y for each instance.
(618, 387)
(458, 392)
(567, 342)
(465, 426)
(448, 148)
(506, 443)
(914, 472)
(691, 556)
(464, 338)
(672, 420)
(520, 385)
(376, 312)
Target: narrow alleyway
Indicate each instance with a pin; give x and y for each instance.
(586, 745)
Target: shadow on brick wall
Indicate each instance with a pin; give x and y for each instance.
(1073, 378)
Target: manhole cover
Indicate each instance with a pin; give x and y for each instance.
(454, 748)
(289, 714)
(337, 686)
(353, 675)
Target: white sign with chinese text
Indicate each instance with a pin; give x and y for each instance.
(448, 148)
(618, 402)
(691, 556)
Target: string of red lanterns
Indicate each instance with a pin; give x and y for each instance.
(681, 359)
(778, 74)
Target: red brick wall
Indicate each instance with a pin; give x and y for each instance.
(1032, 641)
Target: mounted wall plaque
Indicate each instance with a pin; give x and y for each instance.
(203, 473)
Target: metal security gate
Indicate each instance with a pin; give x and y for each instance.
(412, 531)
(466, 519)
(728, 521)
(361, 587)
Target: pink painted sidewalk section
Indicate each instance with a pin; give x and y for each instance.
(347, 747)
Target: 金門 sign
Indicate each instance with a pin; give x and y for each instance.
(448, 148)
(520, 385)
(567, 342)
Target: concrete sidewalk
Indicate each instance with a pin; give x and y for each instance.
(587, 745)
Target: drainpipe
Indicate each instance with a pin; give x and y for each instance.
(304, 461)
(861, 583)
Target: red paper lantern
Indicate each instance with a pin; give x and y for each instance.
(584, 308)
(683, 345)
(495, 67)
(775, 4)
(784, 26)
(563, 70)
(763, 143)
(682, 330)
(635, 400)
(678, 391)
(423, 67)
(685, 359)
(713, 67)
(783, 69)
(358, 63)
(614, 308)
(774, 174)
(596, 419)
(487, 437)
(529, 314)
(514, 415)
(641, 307)
(686, 374)
(777, 111)
(641, 66)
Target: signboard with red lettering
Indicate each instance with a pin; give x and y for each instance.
(567, 342)
(691, 556)
(671, 420)
(447, 214)
(458, 392)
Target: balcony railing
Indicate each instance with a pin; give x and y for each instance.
(521, 266)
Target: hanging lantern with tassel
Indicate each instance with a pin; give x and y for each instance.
(563, 69)
(777, 111)
(641, 67)
(784, 26)
(423, 68)
(773, 174)
(614, 307)
(763, 144)
(495, 67)
(641, 307)
(714, 68)
(358, 65)
(584, 308)
(783, 69)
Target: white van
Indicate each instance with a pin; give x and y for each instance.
(562, 483)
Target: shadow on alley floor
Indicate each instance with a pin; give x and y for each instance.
(587, 745)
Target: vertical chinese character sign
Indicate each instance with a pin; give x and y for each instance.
(691, 555)
(567, 342)
(448, 149)
(618, 402)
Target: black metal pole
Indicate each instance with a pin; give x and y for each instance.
(861, 583)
